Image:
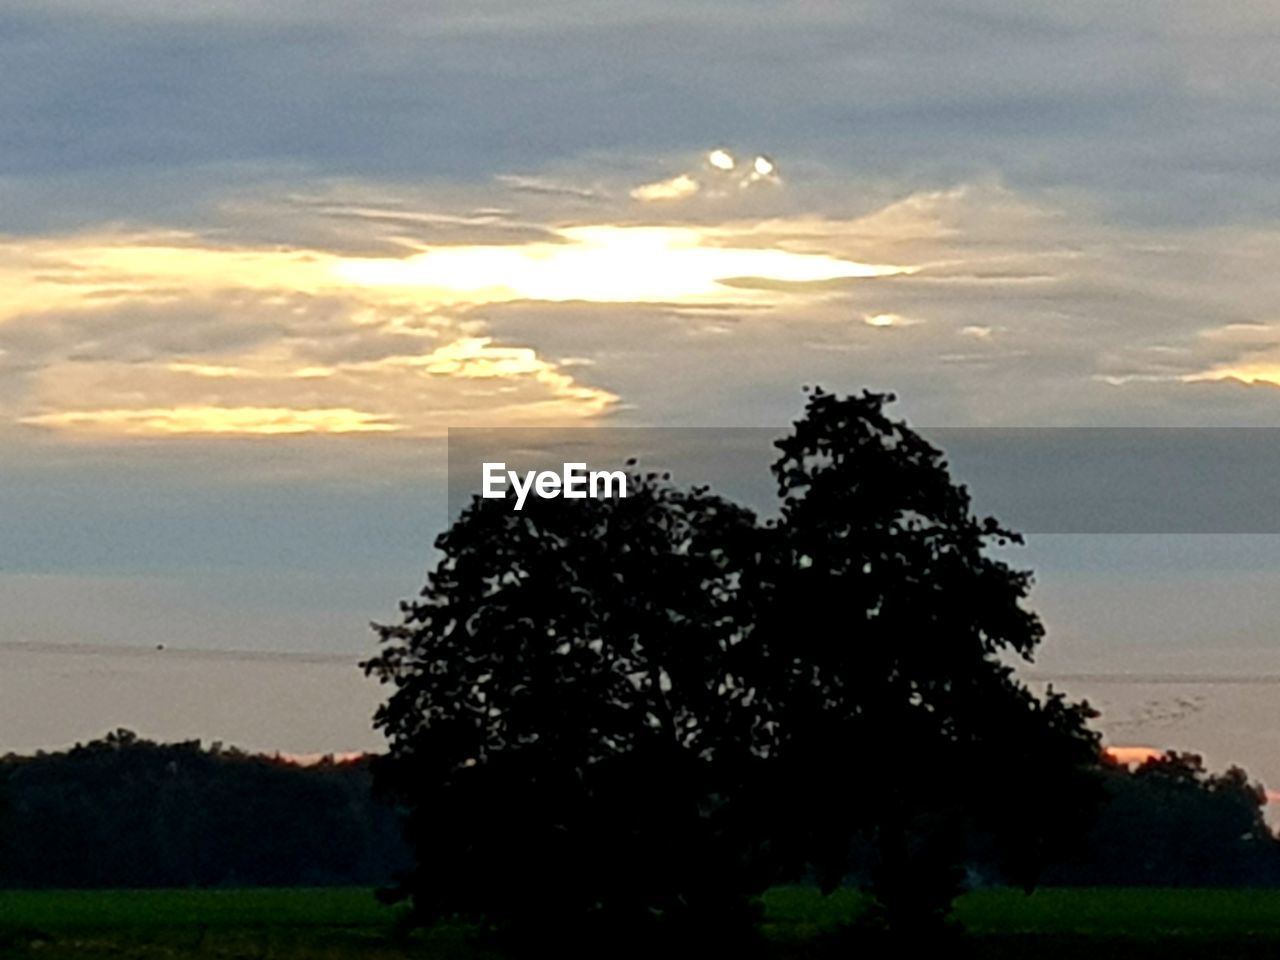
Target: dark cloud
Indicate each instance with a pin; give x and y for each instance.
(1153, 110)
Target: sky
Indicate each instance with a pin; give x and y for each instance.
(257, 260)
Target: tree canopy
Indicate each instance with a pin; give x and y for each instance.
(892, 627)
(634, 713)
(567, 717)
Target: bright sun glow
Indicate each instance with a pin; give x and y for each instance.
(607, 264)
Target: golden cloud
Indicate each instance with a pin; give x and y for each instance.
(213, 420)
(162, 334)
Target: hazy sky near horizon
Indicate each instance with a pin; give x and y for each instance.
(257, 258)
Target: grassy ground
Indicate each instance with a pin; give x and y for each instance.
(1136, 913)
(342, 924)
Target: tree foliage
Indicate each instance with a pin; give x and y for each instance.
(892, 630)
(568, 719)
(1170, 822)
(633, 713)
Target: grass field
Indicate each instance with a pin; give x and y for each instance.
(338, 924)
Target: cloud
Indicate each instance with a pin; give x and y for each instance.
(721, 172)
(169, 334)
(547, 186)
(1064, 318)
(888, 320)
(721, 160)
(171, 109)
(265, 421)
(676, 188)
(164, 333)
(445, 303)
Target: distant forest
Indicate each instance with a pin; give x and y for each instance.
(125, 812)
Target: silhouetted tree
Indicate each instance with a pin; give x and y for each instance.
(568, 724)
(890, 630)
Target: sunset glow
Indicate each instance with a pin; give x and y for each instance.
(1132, 755)
(605, 264)
(1259, 372)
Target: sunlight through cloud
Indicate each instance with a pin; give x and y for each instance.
(608, 264)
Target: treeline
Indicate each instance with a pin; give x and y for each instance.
(126, 812)
(1169, 822)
